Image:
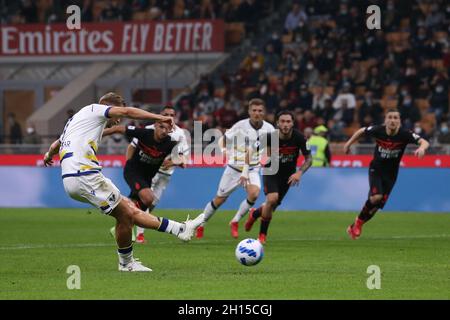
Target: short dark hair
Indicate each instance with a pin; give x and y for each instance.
(168, 106)
(112, 99)
(256, 101)
(285, 112)
(392, 110)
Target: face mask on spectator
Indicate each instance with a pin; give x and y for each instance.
(439, 89)
(30, 130)
(444, 129)
(417, 130)
(309, 66)
(274, 36)
(256, 65)
(407, 102)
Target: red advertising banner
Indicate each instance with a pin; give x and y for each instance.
(116, 38)
(338, 161)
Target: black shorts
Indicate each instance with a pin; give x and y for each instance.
(137, 180)
(381, 181)
(276, 183)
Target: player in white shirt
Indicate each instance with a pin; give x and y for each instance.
(243, 166)
(162, 178)
(84, 182)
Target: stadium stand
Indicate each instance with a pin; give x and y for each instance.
(317, 59)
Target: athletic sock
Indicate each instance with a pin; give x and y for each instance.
(257, 213)
(209, 210)
(243, 209)
(365, 214)
(139, 230)
(264, 225)
(170, 226)
(125, 255)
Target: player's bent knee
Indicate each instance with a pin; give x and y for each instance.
(376, 199)
(272, 200)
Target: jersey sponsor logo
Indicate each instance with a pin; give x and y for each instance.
(389, 149)
(151, 151)
(288, 150)
(390, 145)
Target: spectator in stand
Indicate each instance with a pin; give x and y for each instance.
(328, 112)
(226, 116)
(370, 107)
(15, 130)
(444, 133)
(308, 120)
(305, 98)
(32, 138)
(319, 100)
(344, 114)
(410, 114)
(111, 11)
(439, 101)
(374, 81)
(311, 75)
(347, 96)
(294, 17)
(271, 59)
(253, 62)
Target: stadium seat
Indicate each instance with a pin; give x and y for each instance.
(234, 33)
(140, 16)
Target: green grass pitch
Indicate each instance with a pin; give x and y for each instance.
(308, 256)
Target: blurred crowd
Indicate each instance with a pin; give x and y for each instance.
(327, 67)
(53, 11)
(324, 64)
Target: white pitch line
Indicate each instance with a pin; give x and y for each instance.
(201, 242)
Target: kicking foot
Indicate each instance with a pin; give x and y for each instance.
(190, 226)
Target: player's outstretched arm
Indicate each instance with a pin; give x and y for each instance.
(113, 130)
(138, 114)
(54, 149)
(353, 139)
(423, 146)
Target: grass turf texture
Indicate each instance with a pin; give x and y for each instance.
(308, 256)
